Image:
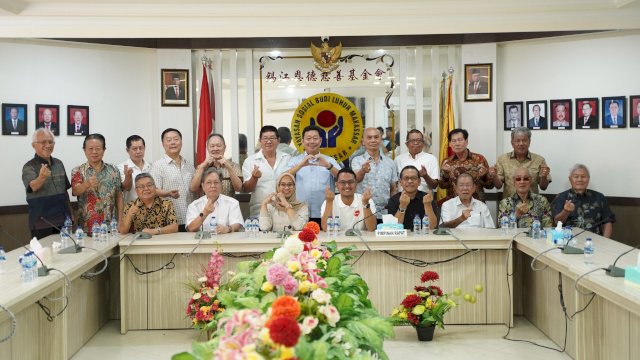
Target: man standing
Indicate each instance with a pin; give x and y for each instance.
(173, 174)
(47, 121)
(313, 171)
(507, 163)
(464, 211)
(46, 184)
(375, 171)
(229, 170)
(524, 203)
(14, 125)
(261, 170)
(426, 163)
(514, 117)
(614, 119)
(133, 166)
(464, 161)
(537, 121)
(284, 144)
(588, 120)
(349, 205)
(582, 207)
(175, 91)
(77, 127)
(410, 202)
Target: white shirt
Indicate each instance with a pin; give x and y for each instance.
(267, 182)
(131, 195)
(226, 210)
(349, 214)
(169, 176)
(422, 158)
(480, 215)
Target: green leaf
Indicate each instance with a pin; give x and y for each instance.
(183, 356)
(243, 266)
(226, 298)
(343, 302)
(365, 334)
(267, 300)
(248, 302)
(333, 267)
(320, 350)
(259, 275)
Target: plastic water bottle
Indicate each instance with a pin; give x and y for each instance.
(3, 260)
(535, 228)
(80, 236)
(65, 242)
(513, 223)
(567, 235)
(248, 227)
(68, 223)
(29, 270)
(95, 231)
(114, 227)
(255, 227)
(104, 232)
(504, 225)
(425, 225)
(213, 226)
(588, 250)
(330, 226)
(416, 225)
(336, 226)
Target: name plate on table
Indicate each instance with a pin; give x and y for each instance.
(391, 232)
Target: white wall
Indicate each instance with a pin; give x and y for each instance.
(575, 67)
(117, 83)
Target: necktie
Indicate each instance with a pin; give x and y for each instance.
(177, 92)
(536, 122)
(77, 128)
(15, 124)
(48, 127)
(475, 88)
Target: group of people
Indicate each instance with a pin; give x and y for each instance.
(287, 190)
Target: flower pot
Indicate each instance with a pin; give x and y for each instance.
(425, 333)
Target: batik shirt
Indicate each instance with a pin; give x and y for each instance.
(452, 167)
(590, 208)
(97, 205)
(160, 214)
(538, 207)
(379, 179)
(508, 163)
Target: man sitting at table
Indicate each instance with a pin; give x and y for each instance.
(149, 213)
(225, 209)
(526, 204)
(583, 207)
(464, 211)
(352, 208)
(411, 201)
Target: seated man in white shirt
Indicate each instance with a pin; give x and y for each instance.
(226, 209)
(463, 211)
(351, 207)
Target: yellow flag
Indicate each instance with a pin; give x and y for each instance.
(447, 123)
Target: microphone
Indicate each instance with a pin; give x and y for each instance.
(201, 234)
(568, 249)
(284, 233)
(615, 271)
(355, 232)
(75, 248)
(42, 271)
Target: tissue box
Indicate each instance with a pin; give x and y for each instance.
(632, 275)
(390, 227)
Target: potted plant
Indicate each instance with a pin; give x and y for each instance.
(425, 307)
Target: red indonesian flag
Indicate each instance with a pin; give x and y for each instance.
(205, 121)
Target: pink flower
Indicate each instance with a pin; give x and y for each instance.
(277, 274)
(331, 313)
(308, 324)
(291, 286)
(213, 272)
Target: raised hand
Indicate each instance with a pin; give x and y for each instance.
(256, 173)
(93, 182)
(127, 171)
(328, 194)
(366, 166)
(404, 200)
(569, 206)
(522, 209)
(209, 207)
(44, 171)
(466, 213)
(493, 172)
(544, 171)
(427, 199)
(366, 196)
(174, 193)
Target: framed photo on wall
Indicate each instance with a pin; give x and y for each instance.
(513, 115)
(77, 120)
(48, 117)
(175, 87)
(561, 114)
(587, 113)
(14, 119)
(634, 111)
(614, 112)
(537, 115)
(477, 80)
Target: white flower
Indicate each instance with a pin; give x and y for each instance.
(294, 245)
(320, 296)
(281, 255)
(202, 279)
(337, 336)
(332, 314)
(308, 324)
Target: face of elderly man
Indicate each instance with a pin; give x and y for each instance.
(464, 187)
(47, 116)
(522, 181)
(561, 112)
(586, 109)
(14, 113)
(579, 180)
(44, 145)
(145, 189)
(77, 118)
(212, 185)
(520, 144)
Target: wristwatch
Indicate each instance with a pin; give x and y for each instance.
(330, 167)
(401, 210)
(368, 206)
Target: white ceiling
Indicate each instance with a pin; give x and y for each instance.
(285, 18)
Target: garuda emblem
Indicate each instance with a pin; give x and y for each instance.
(326, 58)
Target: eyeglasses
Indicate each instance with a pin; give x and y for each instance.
(410, 178)
(269, 139)
(46, 142)
(212, 183)
(145, 187)
(346, 182)
(287, 184)
(415, 141)
(526, 178)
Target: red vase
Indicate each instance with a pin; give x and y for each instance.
(425, 333)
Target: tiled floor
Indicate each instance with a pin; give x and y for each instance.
(456, 342)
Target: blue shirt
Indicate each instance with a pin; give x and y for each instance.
(311, 181)
(382, 175)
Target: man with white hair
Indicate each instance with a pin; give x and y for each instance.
(582, 207)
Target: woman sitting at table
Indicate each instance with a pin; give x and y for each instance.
(281, 210)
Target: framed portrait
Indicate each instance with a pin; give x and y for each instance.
(587, 113)
(477, 80)
(513, 115)
(614, 114)
(561, 114)
(634, 111)
(14, 119)
(77, 120)
(175, 87)
(48, 117)
(537, 115)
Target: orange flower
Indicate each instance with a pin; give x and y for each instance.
(313, 226)
(285, 306)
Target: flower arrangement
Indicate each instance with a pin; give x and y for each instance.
(427, 305)
(204, 305)
(301, 301)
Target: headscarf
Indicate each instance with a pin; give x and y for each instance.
(291, 199)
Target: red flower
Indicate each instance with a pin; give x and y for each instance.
(429, 276)
(307, 235)
(420, 288)
(313, 226)
(284, 331)
(435, 290)
(414, 319)
(411, 301)
(285, 306)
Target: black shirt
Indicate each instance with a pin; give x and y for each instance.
(415, 207)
